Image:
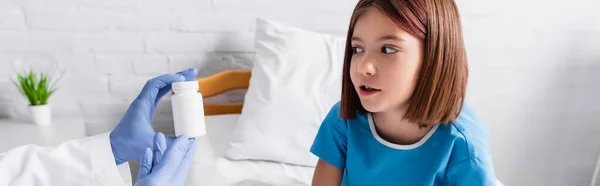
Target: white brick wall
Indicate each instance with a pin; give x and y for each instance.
(534, 63)
(108, 43)
(150, 65)
(35, 42)
(11, 18)
(64, 18)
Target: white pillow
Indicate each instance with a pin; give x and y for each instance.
(296, 79)
(264, 172)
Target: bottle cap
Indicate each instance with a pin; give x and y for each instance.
(185, 85)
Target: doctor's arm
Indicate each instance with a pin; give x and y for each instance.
(93, 160)
(87, 161)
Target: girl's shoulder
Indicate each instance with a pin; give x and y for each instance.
(334, 119)
(469, 121)
(469, 136)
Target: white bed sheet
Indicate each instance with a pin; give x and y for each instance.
(210, 168)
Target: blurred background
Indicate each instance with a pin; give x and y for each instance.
(534, 65)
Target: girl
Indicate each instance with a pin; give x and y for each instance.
(402, 118)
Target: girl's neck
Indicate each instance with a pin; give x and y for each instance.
(391, 126)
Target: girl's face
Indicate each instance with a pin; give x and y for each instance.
(385, 63)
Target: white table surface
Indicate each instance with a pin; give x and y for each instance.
(20, 131)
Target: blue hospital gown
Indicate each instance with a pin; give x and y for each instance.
(450, 154)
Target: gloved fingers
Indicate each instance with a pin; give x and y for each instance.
(159, 147)
(170, 140)
(189, 75)
(145, 164)
(174, 154)
(184, 167)
(151, 89)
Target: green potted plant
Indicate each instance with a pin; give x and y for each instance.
(37, 89)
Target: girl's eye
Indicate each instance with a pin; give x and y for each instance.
(356, 50)
(388, 50)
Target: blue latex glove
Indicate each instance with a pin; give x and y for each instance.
(167, 166)
(134, 133)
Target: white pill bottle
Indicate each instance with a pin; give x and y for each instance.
(188, 109)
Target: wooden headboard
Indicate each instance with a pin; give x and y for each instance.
(220, 83)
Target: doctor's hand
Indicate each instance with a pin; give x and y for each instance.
(134, 133)
(166, 165)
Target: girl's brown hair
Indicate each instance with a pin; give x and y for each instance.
(441, 85)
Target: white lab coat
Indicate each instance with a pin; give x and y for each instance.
(86, 161)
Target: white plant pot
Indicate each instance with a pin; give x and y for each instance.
(41, 114)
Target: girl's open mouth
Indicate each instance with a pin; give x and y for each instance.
(368, 91)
